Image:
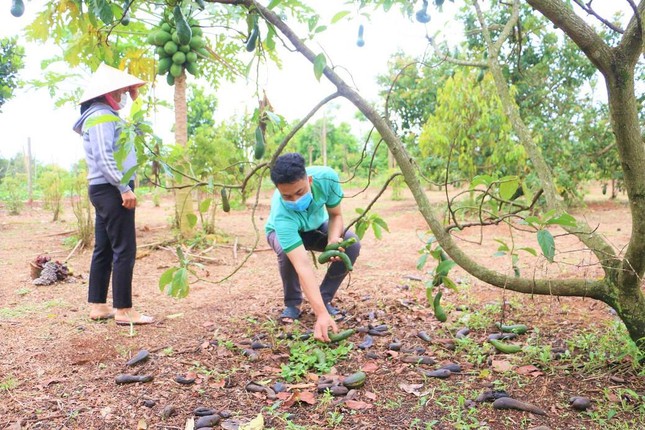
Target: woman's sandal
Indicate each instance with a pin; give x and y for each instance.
(289, 315)
(143, 319)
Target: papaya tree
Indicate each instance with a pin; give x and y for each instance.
(147, 39)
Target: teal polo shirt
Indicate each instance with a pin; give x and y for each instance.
(288, 223)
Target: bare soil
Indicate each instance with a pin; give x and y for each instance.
(58, 368)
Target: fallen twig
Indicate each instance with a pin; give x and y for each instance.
(78, 243)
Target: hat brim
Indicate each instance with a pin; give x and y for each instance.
(107, 79)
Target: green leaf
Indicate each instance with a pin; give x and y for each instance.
(180, 285)
(481, 180)
(531, 251)
(166, 277)
(320, 29)
(565, 220)
(127, 176)
(273, 4)
(192, 220)
(378, 232)
(503, 246)
(275, 119)
(444, 267)
(340, 15)
(103, 10)
(269, 41)
(449, 283)
(381, 222)
(101, 119)
(507, 187)
(320, 62)
(361, 228)
(429, 295)
(499, 254)
(532, 220)
(204, 205)
(387, 5)
(547, 244)
(422, 261)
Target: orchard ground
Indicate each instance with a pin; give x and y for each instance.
(58, 368)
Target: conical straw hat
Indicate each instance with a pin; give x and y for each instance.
(107, 79)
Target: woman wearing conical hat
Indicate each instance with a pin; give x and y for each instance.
(113, 197)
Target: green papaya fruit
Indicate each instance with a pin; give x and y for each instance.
(191, 68)
(179, 57)
(196, 42)
(164, 65)
(161, 37)
(184, 32)
(176, 70)
(170, 47)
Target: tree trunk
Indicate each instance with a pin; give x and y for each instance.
(184, 211)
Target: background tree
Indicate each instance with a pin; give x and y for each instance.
(11, 61)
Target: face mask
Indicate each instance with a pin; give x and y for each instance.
(301, 204)
(124, 101)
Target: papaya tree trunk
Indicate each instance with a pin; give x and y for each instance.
(184, 211)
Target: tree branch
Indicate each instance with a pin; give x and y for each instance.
(582, 34)
(587, 8)
(632, 42)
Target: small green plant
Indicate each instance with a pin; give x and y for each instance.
(82, 208)
(23, 291)
(8, 384)
(52, 185)
(11, 193)
(310, 355)
(70, 241)
(439, 275)
(334, 419)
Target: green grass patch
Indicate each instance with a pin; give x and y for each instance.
(28, 309)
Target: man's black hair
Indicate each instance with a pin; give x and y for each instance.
(288, 168)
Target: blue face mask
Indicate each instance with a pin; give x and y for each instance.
(301, 204)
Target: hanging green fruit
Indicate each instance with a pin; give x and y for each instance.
(17, 8)
(259, 144)
(184, 32)
(422, 14)
(179, 45)
(360, 41)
